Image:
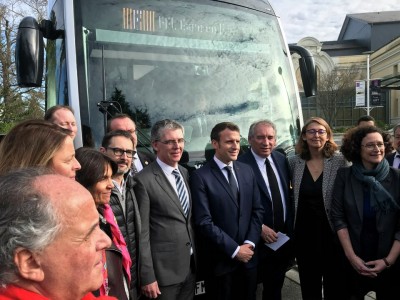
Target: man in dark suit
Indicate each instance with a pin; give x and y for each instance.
(166, 243)
(394, 158)
(124, 122)
(272, 264)
(228, 216)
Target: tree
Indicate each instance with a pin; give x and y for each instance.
(16, 104)
(140, 116)
(334, 88)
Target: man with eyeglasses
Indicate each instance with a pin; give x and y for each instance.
(167, 240)
(139, 159)
(119, 145)
(394, 158)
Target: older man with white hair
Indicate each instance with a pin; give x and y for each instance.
(51, 245)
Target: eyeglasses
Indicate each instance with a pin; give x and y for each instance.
(315, 131)
(173, 142)
(372, 146)
(120, 152)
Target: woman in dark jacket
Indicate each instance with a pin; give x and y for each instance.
(366, 216)
(95, 174)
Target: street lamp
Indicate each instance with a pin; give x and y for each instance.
(368, 79)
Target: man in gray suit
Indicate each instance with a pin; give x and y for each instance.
(166, 241)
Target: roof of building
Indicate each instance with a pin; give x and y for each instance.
(371, 18)
(377, 17)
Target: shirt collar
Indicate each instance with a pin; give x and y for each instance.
(260, 160)
(221, 164)
(166, 168)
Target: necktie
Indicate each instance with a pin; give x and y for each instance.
(232, 181)
(276, 197)
(182, 194)
(398, 156)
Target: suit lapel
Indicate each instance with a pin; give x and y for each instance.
(260, 179)
(215, 170)
(282, 176)
(358, 195)
(165, 185)
(242, 186)
(143, 160)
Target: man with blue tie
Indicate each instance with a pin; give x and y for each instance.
(228, 217)
(394, 158)
(167, 241)
(273, 179)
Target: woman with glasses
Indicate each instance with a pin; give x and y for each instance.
(96, 176)
(366, 216)
(313, 172)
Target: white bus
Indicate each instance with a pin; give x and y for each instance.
(199, 62)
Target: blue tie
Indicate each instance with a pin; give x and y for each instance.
(398, 155)
(182, 195)
(232, 182)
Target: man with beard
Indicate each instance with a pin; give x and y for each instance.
(124, 122)
(119, 145)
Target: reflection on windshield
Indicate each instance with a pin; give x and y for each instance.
(186, 69)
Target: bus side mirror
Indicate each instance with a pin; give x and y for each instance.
(307, 70)
(29, 53)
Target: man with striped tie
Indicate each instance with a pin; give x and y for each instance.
(167, 240)
(394, 158)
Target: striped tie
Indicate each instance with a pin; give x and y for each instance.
(182, 194)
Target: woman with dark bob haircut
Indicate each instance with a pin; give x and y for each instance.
(96, 173)
(313, 172)
(366, 216)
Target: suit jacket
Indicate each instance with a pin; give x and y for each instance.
(390, 158)
(146, 158)
(223, 222)
(284, 175)
(167, 235)
(347, 210)
(331, 165)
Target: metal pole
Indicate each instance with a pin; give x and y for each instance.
(368, 85)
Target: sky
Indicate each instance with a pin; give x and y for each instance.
(322, 19)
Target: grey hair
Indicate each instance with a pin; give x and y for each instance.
(397, 126)
(28, 219)
(160, 126)
(261, 122)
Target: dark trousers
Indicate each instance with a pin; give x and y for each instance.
(240, 284)
(272, 270)
(181, 291)
(321, 266)
(385, 286)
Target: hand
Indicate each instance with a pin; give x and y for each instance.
(151, 290)
(245, 253)
(369, 269)
(268, 234)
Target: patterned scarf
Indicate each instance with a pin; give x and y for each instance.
(119, 242)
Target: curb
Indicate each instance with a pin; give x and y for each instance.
(293, 275)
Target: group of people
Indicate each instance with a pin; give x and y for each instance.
(87, 223)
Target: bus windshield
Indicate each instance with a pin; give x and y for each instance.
(197, 62)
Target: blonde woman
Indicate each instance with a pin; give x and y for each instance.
(38, 143)
(313, 172)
